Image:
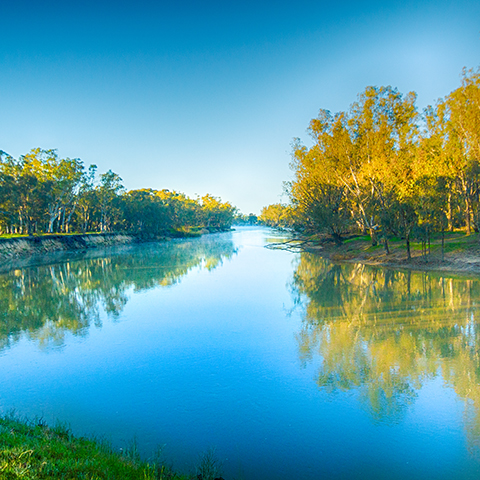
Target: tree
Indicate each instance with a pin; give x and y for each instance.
(277, 215)
(107, 194)
(359, 160)
(217, 214)
(86, 199)
(462, 115)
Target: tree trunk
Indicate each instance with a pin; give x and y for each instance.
(385, 244)
(407, 241)
(428, 243)
(62, 221)
(443, 245)
(337, 238)
(69, 218)
(50, 223)
(468, 215)
(450, 213)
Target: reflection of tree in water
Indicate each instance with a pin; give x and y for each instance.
(46, 302)
(383, 332)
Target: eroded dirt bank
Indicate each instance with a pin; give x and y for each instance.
(21, 252)
(26, 246)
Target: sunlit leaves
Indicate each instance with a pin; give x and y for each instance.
(398, 174)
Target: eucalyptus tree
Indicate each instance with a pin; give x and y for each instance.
(384, 133)
(86, 200)
(45, 187)
(41, 192)
(108, 193)
(359, 160)
(277, 215)
(217, 214)
(7, 189)
(317, 192)
(26, 193)
(145, 212)
(182, 212)
(463, 139)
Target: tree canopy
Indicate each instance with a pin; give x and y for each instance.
(382, 168)
(41, 192)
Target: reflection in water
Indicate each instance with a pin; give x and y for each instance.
(46, 302)
(383, 333)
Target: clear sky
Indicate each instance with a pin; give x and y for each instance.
(205, 97)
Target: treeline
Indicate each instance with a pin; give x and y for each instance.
(43, 193)
(383, 169)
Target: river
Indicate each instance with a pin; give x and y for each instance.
(286, 364)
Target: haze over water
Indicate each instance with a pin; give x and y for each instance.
(290, 366)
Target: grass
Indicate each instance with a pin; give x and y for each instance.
(453, 240)
(13, 235)
(31, 450)
(459, 253)
(373, 248)
(24, 235)
(364, 238)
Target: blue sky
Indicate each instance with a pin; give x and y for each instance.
(205, 97)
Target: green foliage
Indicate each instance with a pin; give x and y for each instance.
(216, 215)
(209, 467)
(41, 192)
(276, 215)
(374, 170)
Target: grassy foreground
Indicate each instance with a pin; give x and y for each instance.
(32, 450)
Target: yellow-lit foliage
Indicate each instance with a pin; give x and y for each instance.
(378, 169)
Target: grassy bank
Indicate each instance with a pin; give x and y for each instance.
(461, 252)
(32, 450)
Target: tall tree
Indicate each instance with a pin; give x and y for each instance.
(107, 194)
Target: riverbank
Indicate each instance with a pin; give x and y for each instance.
(16, 247)
(34, 450)
(22, 251)
(461, 252)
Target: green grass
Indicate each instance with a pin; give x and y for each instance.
(457, 242)
(32, 450)
(456, 246)
(364, 238)
(13, 235)
(24, 235)
(374, 248)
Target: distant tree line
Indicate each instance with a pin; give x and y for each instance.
(246, 220)
(383, 169)
(43, 193)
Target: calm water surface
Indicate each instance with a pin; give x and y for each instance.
(290, 366)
